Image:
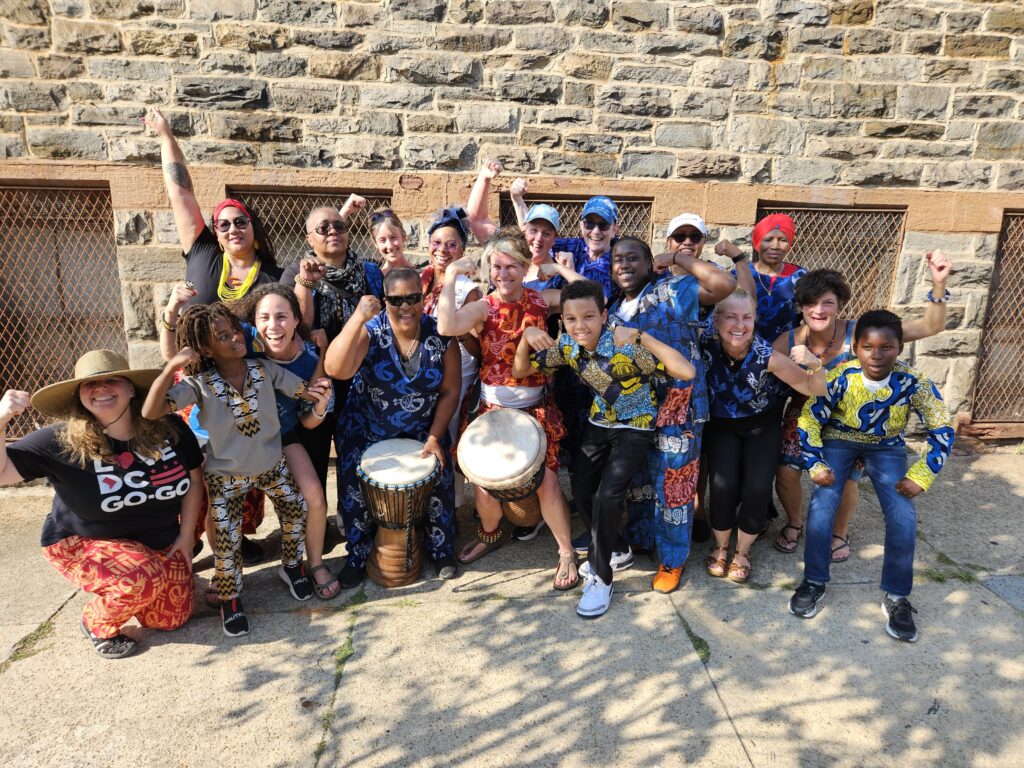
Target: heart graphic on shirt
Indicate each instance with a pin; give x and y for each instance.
(125, 459)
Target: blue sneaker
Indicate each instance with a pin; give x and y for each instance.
(582, 544)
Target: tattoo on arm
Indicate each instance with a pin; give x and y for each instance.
(178, 173)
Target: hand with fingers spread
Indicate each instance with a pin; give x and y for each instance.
(181, 293)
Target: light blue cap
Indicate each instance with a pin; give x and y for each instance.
(602, 206)
(546, 213)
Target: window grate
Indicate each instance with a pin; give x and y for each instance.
(863, 244)
(284, 216)
(59, 286)
(999, 391)
(634, 215)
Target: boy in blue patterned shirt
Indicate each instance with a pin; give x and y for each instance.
(619, 366)
(864, 415)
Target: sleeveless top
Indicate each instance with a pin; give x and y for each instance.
(743, 389)
(500, 336)
(463, 287)
(845, 354)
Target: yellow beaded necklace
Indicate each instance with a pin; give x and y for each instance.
(225, 292)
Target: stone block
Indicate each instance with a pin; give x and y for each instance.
(934, 368)
(842, 148)
(703, 20)
(844, 13)
(148, 42)
(273, 64)
(674, 44)
(380, 123)
(131, 149)
(72, 36)
(394, 96)
(752, 41)
(222, 92)
(344, 66)
(564, 116)
(974, 310)
(367, 153)
(807, 171)
(1003, 140)
(639, 15)
(31, 38)
(252, 37)
(962, 21)
(757, 170)
(470, 39)
(70, 8)
(882, 174)
(902, 18)
(83, 91)
(527, 88)
(922, 43)
(970, 274)
(57, 67)
(252, 126)
(592, 142)
(309, 98)
(763, 135)
(950, 344)
(485, 118)
(578, 164)
(1005, 19)
(961, 130)
(150, 264)
(333, 40)
(514, 159)
(621, 99)
(579, 94)
(922, 102)
(465, 11)
(862, 100)
(946, 71)
(549, 38)
(710, 73)
(298, 13)
(138, 308)
(165, 229)
(584, 13)
(16, 64)
(1011, 176)
(623, 123)
(429, 122)
(958, 174)
(219, 153)
(296, 155)
(11, 123)
(586, 66)
(543, 137)
(977, 46)
(214, 10)
(1005, 80)
(941, 150)
(87, 114)
(63, 143)
(798, 12)
(453, 153)
(430, 69)
(889, 69)
(417, 10)
(826, 68)
(224, 63)
(132, 227)
(700, 105)
(687, 135)
(816, 39)
(667, 75)
(655, 165)
(984, 105)
(607, 42)
(12, 146)
(25, 11)
(861, 41)
(704, 165)
(520, 12)
(30, 97)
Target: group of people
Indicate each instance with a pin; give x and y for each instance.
(676, 392)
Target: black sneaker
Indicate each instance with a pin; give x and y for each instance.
(701, 530)
(528, 532)
(900, 615)
(236, 623)
(806, 600)
(351, 576)
(581, 544)
(252, 553)
(299, 584)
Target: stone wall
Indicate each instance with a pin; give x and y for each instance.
(696, 105)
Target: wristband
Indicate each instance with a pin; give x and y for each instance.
(318, 416)
(166, 326)
(738, 259)
(931, 297)
(305, 283)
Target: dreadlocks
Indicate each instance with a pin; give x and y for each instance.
(195, 330)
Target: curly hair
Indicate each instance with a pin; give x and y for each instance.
(195, 330)
(247, 306)
(644, 247)
(878, 319)
(816, 283)
(584, 289)
(83, 439)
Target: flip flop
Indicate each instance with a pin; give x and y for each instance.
(462, 558)
(569, 560)
(785, 544)
(322, 590)
(846, 543)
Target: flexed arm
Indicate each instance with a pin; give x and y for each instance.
(476, 207)
(934, 320)
(187, 217)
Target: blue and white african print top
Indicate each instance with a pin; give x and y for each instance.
(776, 312)
(599, 270)
(740, 389)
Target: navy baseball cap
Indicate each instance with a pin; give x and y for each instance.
(601, 206)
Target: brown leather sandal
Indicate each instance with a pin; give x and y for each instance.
(716, 565)
(739, 573)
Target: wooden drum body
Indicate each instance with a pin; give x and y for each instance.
(503, 452)
(396, 484)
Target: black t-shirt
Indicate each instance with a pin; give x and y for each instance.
(204, 264)
(135, 498)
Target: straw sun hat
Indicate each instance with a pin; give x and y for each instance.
(56, 399)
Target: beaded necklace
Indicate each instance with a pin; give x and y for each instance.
(225, 292)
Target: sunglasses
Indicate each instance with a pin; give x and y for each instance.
(687, 237)
(604, 226)
(327, 226)
(412, 299)
(224, 225)
(378, 216)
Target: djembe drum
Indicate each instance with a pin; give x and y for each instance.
(397, 483)
(503, 452)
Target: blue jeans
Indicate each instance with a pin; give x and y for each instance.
(886, 466)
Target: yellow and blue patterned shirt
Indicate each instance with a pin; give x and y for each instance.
(620, 378)
(850, 411)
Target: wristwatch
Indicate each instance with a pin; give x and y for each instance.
(738, 259)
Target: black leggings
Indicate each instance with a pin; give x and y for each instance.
(742, 457)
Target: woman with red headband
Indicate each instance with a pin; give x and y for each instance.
(227, 259)
(774, 278)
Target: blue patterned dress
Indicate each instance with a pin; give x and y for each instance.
(776, 312)
(382, 404)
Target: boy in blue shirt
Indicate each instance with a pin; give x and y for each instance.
(619, 366)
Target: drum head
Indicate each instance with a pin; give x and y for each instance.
(397, 462)
(503, 448)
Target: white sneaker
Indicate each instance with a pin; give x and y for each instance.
(597, 596)
(620, 562)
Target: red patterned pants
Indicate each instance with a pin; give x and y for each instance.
(128, 579)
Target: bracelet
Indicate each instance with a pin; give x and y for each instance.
(931, 297)
(318, 416)
(738, 259)
(166, 326)
(305, 283)
(639, 339)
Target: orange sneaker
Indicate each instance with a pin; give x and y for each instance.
(667, 579)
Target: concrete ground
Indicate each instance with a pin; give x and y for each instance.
(495, 668)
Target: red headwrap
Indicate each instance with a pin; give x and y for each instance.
(769, 224)
(229, 202)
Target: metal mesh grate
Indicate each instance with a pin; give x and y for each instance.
(999, 391)
(634, 216)
(284, 216)
(60, 293)
(863, 244)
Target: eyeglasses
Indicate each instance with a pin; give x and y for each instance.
(412, 299)
(224, 225)
(451, 246)
(604, 226)
(687, 237)
(326, 226)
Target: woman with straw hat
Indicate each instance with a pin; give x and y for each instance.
(127, 494)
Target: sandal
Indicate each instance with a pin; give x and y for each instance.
(716, 565)
(565, 561)
(785, 544)
(739, 573)
(844, 545)
(489, 541)
(116, 647)
(328, 589)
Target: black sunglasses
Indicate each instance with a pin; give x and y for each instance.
(378, 216)
(326, 226)
(412, 299)
(224, 225)
(604, 226)
(687, 237)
